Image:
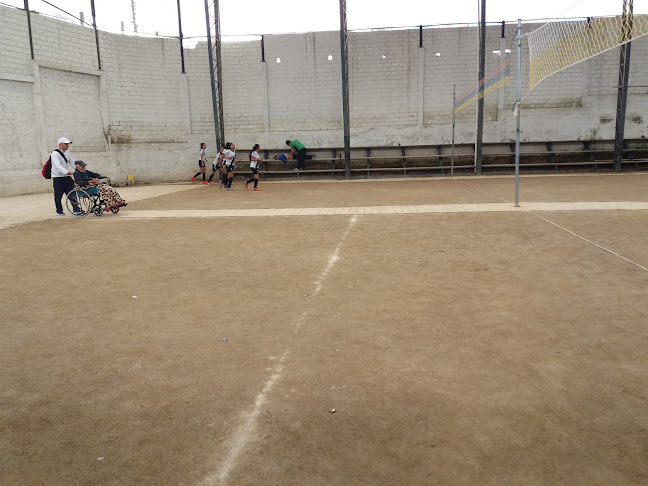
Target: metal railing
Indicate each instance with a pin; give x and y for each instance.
(436, 159)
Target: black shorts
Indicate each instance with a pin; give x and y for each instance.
(255, 170)
(229, 168)
(200, 164)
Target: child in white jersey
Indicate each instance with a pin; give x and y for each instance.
(254, 167)
(201, 163)
(229, 154)
(217, 166)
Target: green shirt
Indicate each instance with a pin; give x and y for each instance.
(297, 145)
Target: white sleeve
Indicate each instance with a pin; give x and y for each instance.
(70, 160)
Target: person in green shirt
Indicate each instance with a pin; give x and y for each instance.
(296, 147)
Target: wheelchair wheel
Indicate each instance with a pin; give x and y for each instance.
(98, 210)
(115, 210)
(83, 200)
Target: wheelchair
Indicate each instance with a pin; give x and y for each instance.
(88, 201)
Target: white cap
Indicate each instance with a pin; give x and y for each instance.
(64, 140)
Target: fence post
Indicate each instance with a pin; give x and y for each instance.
(480, 89)
(344, 48)
(622, 91)
(94, 25)
(31, 40)
(180, 32)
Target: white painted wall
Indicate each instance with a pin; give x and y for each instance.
(140, 115)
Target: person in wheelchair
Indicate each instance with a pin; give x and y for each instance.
(90, 182)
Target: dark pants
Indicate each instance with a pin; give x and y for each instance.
(63, 185)
(301, 157)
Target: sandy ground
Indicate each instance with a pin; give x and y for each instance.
(463, 348)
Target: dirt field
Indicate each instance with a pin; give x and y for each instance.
(456, 349)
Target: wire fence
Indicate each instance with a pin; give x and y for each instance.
(160, 19)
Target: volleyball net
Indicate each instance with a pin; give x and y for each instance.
(560, 44)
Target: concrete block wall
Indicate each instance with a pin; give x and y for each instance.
(14, 43)
(292, 87)
(66, 45)
(328, 81)
(141, 115)
(71, 103)
(460, 63)
(22, 157)
(199, 90)
(243, 83)
(144, 89)
(382, 78)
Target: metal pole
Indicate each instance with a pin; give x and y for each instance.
(262, 49)
(219, 140)
(344, 49)
(134, 22)
(94, 24)
(454, 117)
(622, 91)
(31, 40)
(219, 69)
(180, 32)
(517, 113)
(480, 90)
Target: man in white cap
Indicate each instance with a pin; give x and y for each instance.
(62, 169)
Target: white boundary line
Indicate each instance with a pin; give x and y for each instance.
(576, 207)
(404, 209)
(588, 241)
(245, 431)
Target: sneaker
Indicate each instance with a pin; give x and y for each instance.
(230, 189)
(245, 184)
(206, 182)
(78, 213)
(193, 179)
(60, 213)
(295, 169)
(257, 189)
(220, 184)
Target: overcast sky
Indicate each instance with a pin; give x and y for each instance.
(240, 17)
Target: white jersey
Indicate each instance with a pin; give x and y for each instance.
(203, 155)
(254, 164)
(217, 160)
(228, 156)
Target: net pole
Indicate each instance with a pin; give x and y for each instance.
(517, 114)
(454, 118)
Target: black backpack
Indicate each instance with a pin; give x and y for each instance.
(47, 168)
